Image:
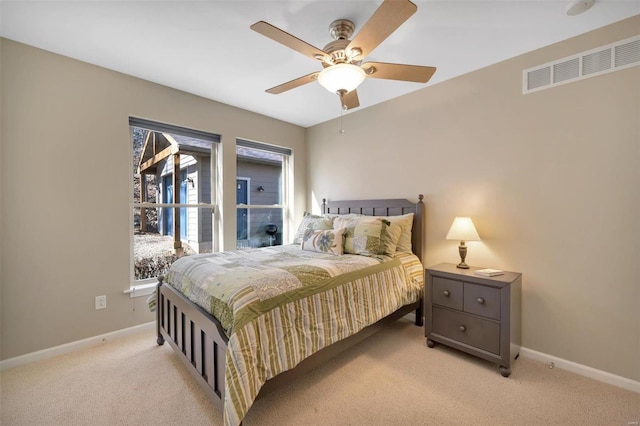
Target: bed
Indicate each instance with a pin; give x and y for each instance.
(241, 354)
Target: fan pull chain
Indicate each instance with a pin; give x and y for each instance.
(343, 107)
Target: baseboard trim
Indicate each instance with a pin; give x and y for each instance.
(72, 346)
(583, 370)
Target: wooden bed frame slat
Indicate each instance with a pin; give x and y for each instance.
(201, 343)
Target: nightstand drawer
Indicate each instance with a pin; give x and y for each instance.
(482, 300)
(447, 293)
(476, 332)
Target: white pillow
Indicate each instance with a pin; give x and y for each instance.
(312, 222)
(324, 241)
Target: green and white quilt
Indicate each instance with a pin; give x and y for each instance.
(279, 305)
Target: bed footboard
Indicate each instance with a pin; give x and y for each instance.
(196, 336)
(201, 343)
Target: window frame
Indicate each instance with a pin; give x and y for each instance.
(144, 287)
(286, 185)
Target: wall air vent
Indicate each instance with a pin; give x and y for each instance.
(613, 57)
(539, 78)
(628, 53)
(596, 62)
(566, 70)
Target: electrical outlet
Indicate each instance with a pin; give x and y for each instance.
(101, 302)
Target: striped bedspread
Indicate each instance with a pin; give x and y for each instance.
(280, 305)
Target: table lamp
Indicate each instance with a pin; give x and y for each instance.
(462, 229)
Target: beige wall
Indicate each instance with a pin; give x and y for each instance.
(551, 180)
(66, 161)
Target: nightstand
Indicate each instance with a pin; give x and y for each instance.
(475, 314)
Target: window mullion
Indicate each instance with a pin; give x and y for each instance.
(157, 205)
(260, 206)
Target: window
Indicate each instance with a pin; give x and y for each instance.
(262, 194)
(173, 198)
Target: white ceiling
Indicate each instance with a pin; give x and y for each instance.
(206, 47)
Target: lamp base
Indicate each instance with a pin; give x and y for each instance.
(462, 250)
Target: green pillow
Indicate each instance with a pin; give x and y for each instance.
(364, 235)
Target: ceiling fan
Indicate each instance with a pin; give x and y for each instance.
(342, 58)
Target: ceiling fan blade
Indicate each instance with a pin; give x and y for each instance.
(350, 100)
(415, 73)
(292, 42)
(294, 83)
(384, 21)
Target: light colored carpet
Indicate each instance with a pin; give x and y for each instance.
(390, 378)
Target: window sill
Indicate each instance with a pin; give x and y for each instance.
(140, 290)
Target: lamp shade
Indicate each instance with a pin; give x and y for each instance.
(462, 229)
(339, 77)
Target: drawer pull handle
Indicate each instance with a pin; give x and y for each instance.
(462, 328)
(480, 300)
(446, 293)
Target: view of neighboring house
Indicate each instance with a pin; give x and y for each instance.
(161, 157)
(259, 183)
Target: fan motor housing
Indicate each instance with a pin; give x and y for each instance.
(341, 29)
(336, 49)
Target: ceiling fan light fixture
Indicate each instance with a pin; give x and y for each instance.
(341, 77)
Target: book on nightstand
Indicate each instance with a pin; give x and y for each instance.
(488, 272)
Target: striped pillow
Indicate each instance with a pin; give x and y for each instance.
(405, 222)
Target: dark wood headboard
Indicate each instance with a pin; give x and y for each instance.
(388, 207)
